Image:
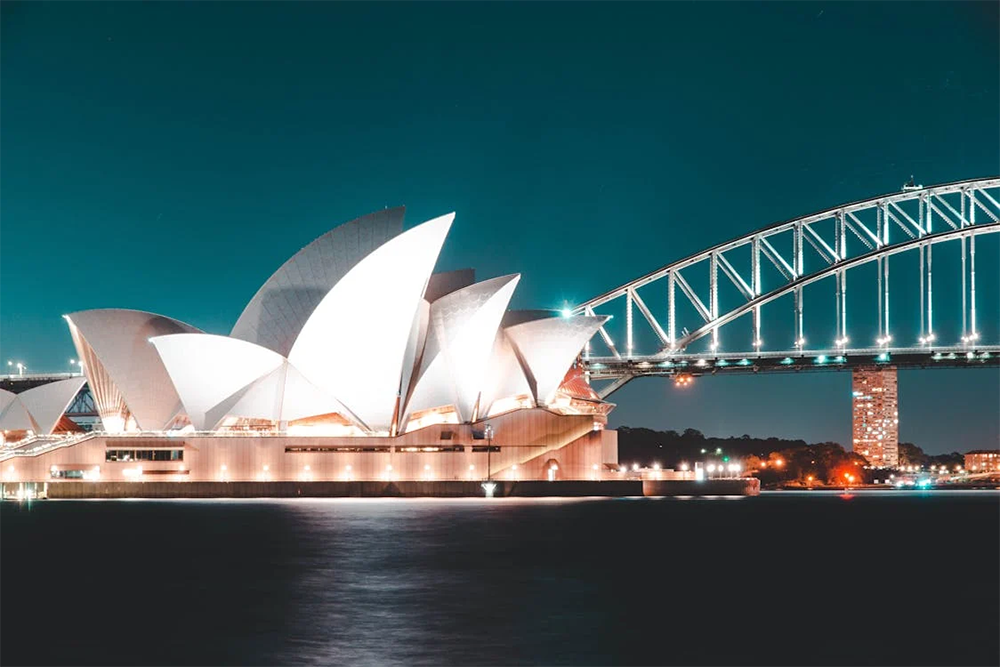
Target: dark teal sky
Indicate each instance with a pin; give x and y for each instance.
(169, 156)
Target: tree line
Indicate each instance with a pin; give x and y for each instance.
(774, 460)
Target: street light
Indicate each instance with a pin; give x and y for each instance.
(18, 365)
(489, 448)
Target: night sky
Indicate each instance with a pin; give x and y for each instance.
(169, 156)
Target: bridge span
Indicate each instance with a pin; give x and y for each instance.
(680, 366)
(687, 307)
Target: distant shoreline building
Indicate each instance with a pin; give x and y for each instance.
(353, 362)
(982, 460)
(875, 411)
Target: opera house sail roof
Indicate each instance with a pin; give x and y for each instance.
(40, 409)
(354, 335)
(460, 334)
(354, 345)
(130, 385)
(279, 309)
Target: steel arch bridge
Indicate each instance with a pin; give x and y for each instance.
(820, 248)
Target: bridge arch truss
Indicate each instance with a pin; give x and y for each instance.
(802, 251)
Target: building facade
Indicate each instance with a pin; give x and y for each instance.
(875, 411)
(533, 444)
(983, 460)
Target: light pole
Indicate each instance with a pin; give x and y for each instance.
(18, 365)
(489, 449)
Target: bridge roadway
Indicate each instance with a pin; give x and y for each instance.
(622, 370)
(17, 382)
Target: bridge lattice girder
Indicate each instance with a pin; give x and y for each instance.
(919, 219)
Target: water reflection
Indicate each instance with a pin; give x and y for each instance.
(485, 581)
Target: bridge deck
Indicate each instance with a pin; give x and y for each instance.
(624, 369)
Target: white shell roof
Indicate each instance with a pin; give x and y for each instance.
(504, 377)
(40, 408)
(48, 402)
(218, 376)
(462, 328)
(447, 282)
(120, 340)
(414, 351)
(281, 307)
(547, 347)
(355, 344)
(13, 415)
(355, 323)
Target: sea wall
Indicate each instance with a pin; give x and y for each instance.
(408, 489)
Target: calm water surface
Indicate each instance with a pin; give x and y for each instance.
(778, 579)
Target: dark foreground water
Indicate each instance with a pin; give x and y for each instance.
(894, 578)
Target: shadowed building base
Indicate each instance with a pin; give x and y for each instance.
(403, 489)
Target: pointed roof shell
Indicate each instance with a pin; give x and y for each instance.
(278, 311)
(355, 344)
(463, 326)
(547, 348)
(47, 403)
(218, 376)
(122, 366)
(13, 415)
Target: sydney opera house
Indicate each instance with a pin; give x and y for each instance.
(354, 361)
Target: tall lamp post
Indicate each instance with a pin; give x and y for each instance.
(489, 449)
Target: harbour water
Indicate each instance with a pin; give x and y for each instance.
(895, 577)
